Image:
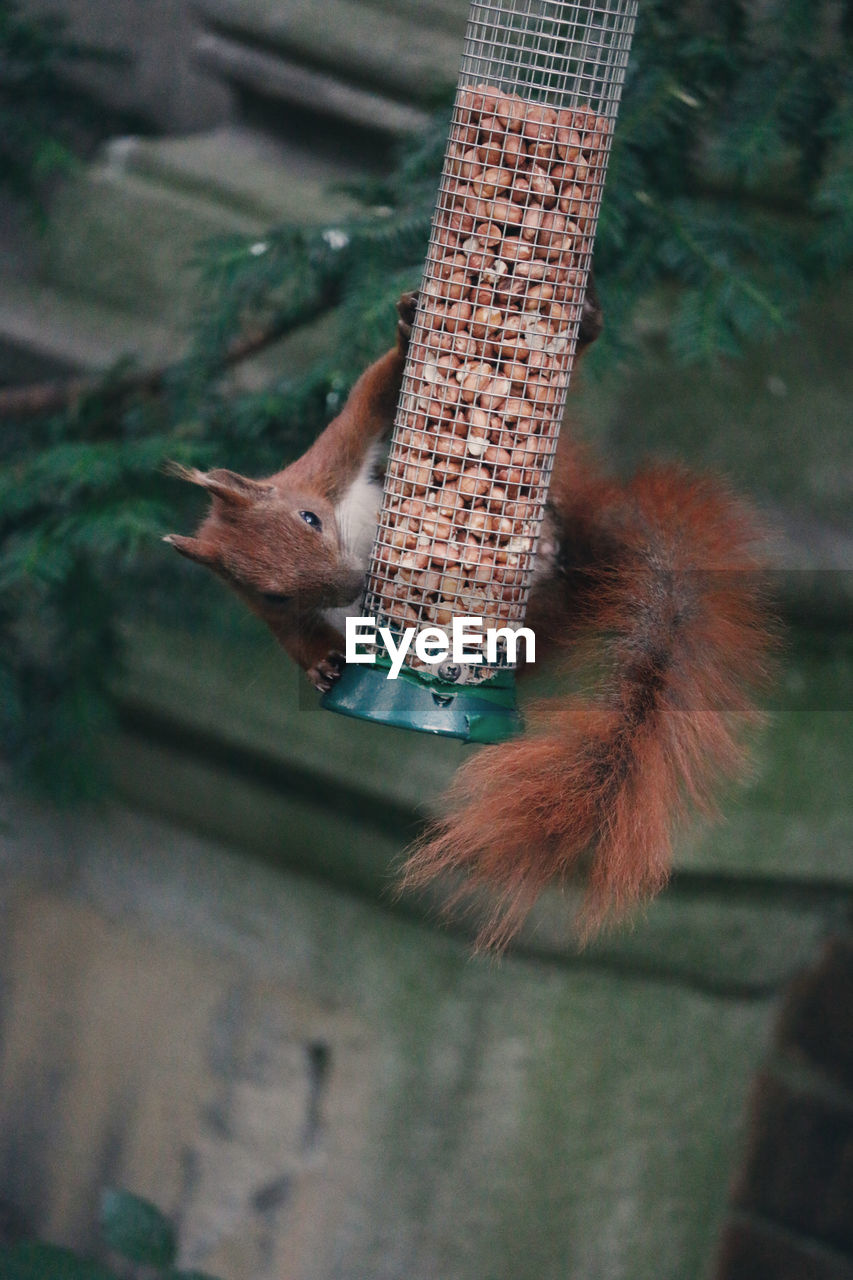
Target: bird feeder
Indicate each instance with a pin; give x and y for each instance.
(490, 356)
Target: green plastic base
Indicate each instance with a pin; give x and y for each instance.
(485, 712)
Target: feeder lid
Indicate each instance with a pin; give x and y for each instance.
(485, 712)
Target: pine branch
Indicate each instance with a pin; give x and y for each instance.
(41, 398)
(730, 184)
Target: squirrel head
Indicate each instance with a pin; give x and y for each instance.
(280, 549)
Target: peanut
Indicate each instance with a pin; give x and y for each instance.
(489, 358)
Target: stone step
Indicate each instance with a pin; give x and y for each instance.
(403, 52)
(314, 1088)
(792, 826)
(240, 169)
(45, 334)
(280, 79)
(125, 232)
(717, 937)
(48, 335)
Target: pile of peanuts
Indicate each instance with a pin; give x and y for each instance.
(489, 361)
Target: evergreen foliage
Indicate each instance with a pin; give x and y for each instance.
(729, 194)
(41, 122)
(137, 1237)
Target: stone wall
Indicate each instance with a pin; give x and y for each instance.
(315, 1088)
(207, 993)
(160, 81)
(792, 1196)
(211, 999)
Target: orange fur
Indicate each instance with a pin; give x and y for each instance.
(655, 583)
(287, 572)
(663, 575)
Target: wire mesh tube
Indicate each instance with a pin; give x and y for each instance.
(499, 308)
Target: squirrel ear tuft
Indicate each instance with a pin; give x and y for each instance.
(191, 474)
(233, 488)
(193, 549)
(227, 485)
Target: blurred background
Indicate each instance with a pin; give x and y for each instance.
(209, 998)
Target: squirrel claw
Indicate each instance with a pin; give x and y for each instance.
(406, 307)
(325, 672)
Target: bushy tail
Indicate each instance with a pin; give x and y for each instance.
(662, 578)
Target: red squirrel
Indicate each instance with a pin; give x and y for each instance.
(657, 573)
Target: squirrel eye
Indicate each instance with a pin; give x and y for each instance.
(275, 597)
(310, 518)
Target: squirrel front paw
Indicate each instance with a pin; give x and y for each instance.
(407, 305)
(592, 319)
(325, 672)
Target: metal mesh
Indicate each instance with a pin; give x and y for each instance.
(498, 313)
